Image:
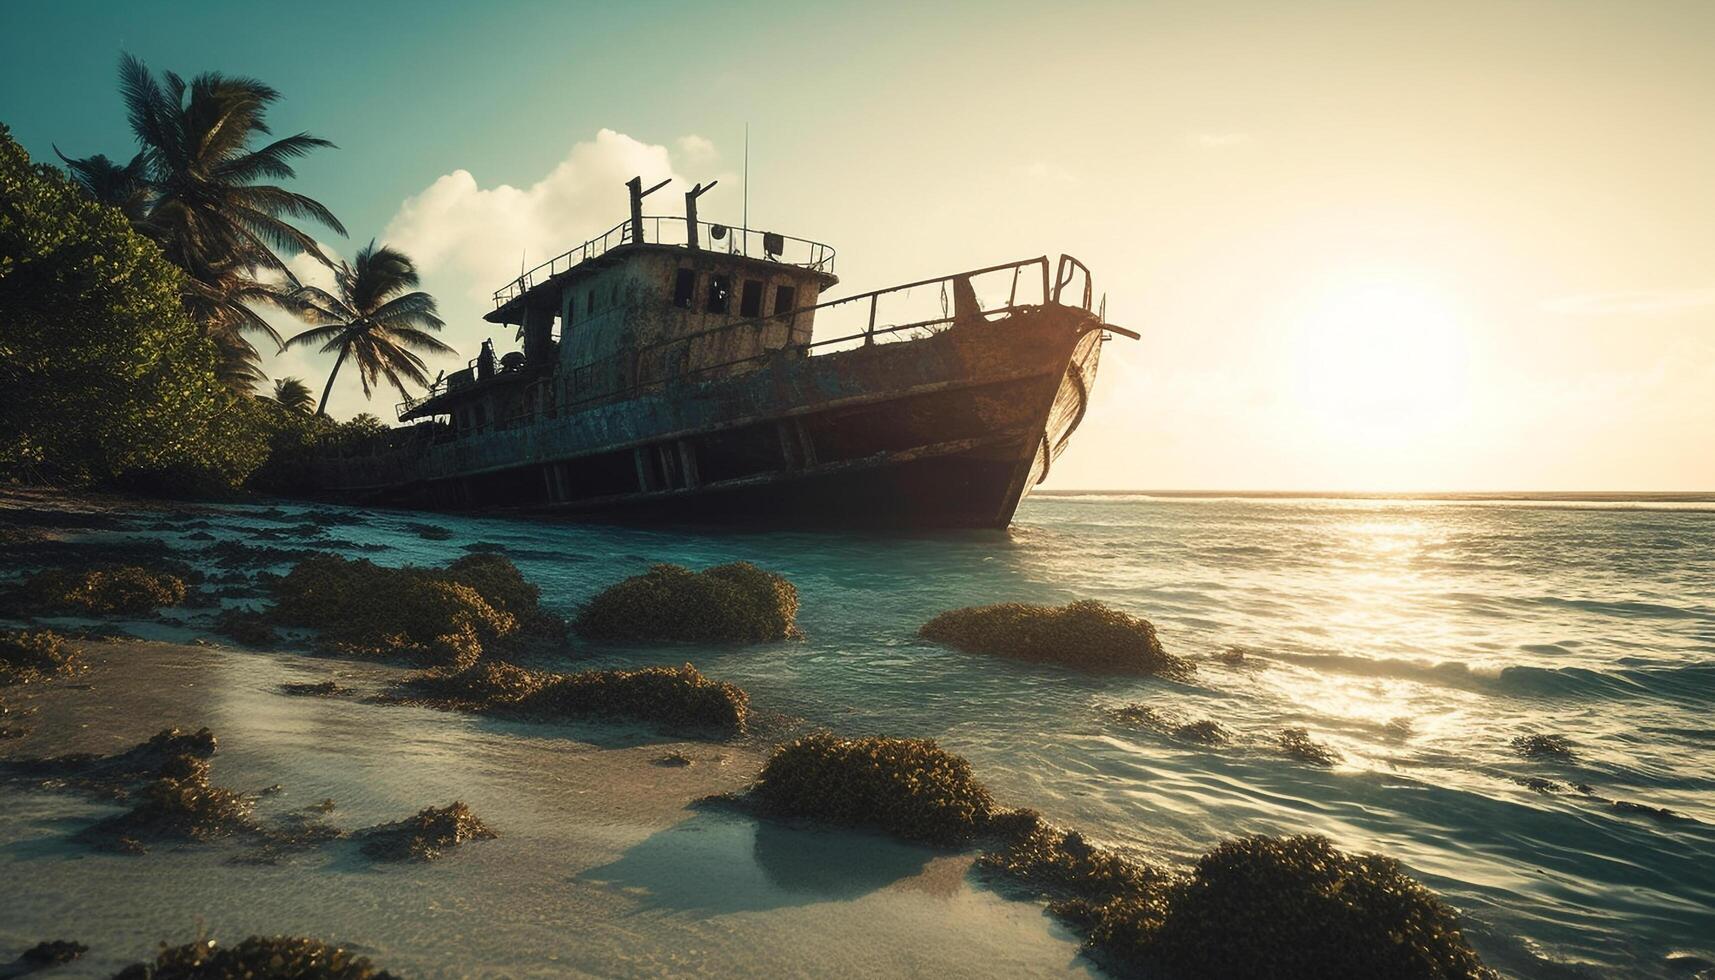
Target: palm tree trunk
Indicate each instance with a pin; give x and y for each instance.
(322, 409)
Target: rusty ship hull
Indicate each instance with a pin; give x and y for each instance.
(950, 430)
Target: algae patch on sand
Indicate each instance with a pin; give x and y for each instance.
(425, 835)
(1085, 635)
(678, 698)
(911, 788)
(36, 655)
(737, 603)
(101, 591)
(257, 956)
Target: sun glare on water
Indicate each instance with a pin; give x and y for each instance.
(1380, 358)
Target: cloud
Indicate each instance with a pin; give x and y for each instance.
(1216, 141)
(473, 239)
(468, 240)
(1637, 301)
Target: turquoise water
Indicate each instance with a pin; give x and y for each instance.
(1416, 638)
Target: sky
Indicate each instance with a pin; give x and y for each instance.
(1369, 246)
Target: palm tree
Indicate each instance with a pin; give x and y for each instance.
(203, 203)
(124, 187)
(294, 395)
(373, 317)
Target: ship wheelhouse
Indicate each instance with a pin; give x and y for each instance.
(653, 301)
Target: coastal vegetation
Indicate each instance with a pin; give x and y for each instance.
(374, 316)
(133, 296)
(257, 956)
(1085, 635)
(736, 603)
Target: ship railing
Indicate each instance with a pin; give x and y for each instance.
(905, 312)
(897, 313)
(675, 230)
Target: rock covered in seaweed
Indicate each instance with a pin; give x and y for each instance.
(425, 835)
(44, 955)
(1085, 635)
(736, 602)
(36, 655)
(102, 591)
(437, 617)
(257, 956)
(1293, 907)
(908, 787)
(1289, 907)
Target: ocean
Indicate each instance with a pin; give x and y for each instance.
(1415, 638)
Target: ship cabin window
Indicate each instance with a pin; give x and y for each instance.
(750, 301)
(589, 306)
(685, 288)
(720, 294)
(785, 299)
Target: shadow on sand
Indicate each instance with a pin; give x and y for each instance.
(718, 862)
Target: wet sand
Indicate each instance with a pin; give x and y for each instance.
(603, 865)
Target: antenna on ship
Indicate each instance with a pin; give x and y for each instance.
(746, 217)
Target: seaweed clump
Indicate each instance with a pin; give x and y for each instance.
(1540, 746)
(736, 602)
(37, 655)
(1290, 907)
(426, 616)
(109, 590)
(170, 753)
(45, 954)
(426, 835)
(1297, 743)
(257, 956)
(1254, 906)
(672, 697)
(911, 788)
(1086, 635)
(176, 807)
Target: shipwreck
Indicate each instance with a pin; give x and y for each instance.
(681, 370)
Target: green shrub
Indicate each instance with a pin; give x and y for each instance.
(258, 956)
(911, 788)
(1085, 634)
(118, 589)
(426, 835)
(35, 655)
(103, 373)
(737, 603)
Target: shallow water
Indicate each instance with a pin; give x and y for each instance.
(1415, 638)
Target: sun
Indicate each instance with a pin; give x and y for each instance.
(1381, 357)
